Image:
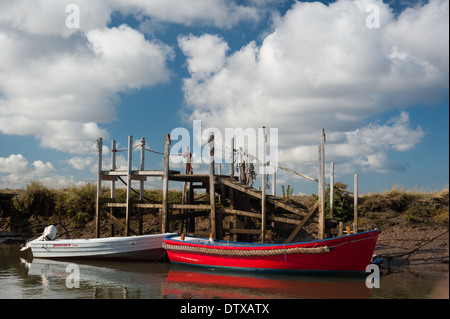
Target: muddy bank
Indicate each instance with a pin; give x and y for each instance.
(417, 248)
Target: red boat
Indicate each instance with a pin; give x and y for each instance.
(351, 253)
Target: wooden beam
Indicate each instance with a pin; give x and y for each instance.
(256, 215)
(99, 186)
(212, 193)
(245, 231)
(303, 222)
(187, 215)
(331, 190)
(130, 165)
(257, 194)
(142, 162)
(321, 229)
(165, 203)
(263, 189)
(355, 205)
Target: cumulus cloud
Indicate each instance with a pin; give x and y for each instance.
(219, 13)
(16, 171)
(58, 86)
(322, 67)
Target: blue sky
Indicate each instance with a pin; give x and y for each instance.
(144, 68)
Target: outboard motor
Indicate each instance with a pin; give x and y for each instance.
(49, 233)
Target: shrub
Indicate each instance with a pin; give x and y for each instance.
(342, 202)
(36, 200)
(78, 202)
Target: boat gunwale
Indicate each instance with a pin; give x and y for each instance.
(98, 240)
(223, 244)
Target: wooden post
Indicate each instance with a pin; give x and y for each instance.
(331, 189)
(212, 200)
(322, 187)
(274, 182)
(263, 189)
(165, 208)
(232, 158)
(141, 182)
(355, 205)
(99, 186)
(241, 161)
(128, 204)
(113, 167)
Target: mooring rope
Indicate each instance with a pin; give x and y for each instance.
(239, 252)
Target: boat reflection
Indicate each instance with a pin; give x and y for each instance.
(186, 283)
(97, 279)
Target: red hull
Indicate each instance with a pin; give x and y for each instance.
(346, 254)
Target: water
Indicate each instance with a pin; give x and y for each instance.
(22, 277)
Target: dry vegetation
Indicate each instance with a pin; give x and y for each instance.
(73, 208)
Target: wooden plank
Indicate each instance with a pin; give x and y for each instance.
(269, 199)
(241, 213)
(256, 215)
(109, 178)
(187, 215)
(148, 205)
(189, 177)
(133, 172)
(109, 205)
(189, 206)
(156, 205)
(246, 231)
(303, 222)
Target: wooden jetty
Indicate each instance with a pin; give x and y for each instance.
(227, 195)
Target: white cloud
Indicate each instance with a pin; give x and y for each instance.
(322, 67)
(368, 147)
(205, 55)
(15, 163)
(16, 171)
(81, 163)
(60, 92)
(220, 13)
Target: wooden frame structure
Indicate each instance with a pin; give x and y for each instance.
(233, 194)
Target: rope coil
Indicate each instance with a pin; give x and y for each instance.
(259, 252)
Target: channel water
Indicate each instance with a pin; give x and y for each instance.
(22, 277)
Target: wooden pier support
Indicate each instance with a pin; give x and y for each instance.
(322, 187)
(355, 204)
(263, 189)
(99, 187)
(331, 190)
(165, 202)
(129, 168)
(212, 193)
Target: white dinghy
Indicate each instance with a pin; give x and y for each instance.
(145, 247)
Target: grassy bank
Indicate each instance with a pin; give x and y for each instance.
(389, 207)
(31, 209)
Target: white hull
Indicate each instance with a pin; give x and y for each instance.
(146, 247)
